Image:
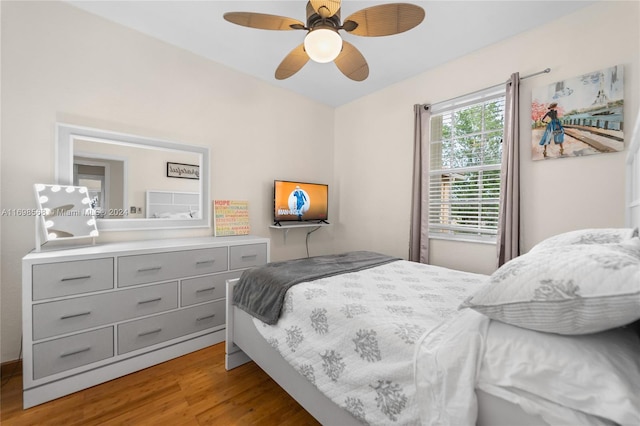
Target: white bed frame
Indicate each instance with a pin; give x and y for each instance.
(159, 202)
(244, 343)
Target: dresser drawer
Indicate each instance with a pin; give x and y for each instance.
(160, 328)
(70, 352)
(204, 289)
(247, 256)
(66, 278)
(65, 316)
(147, 268)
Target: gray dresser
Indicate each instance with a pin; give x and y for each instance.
(95, 313)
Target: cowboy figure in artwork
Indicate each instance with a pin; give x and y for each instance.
(554, 130)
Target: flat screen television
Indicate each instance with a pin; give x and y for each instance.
(300, 201)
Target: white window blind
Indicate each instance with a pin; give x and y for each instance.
(464, 175)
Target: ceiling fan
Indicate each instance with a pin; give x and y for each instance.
(323, 43)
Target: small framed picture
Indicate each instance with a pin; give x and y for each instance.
(230, 217)
(183, 171)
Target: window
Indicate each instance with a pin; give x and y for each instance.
(464, 174)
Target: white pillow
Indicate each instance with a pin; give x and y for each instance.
(588, 236)
(571, 289)
(547, 374)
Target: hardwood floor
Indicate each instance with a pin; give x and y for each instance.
(194, 389)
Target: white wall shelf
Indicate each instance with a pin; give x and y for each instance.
(298, 225)
(286, 228)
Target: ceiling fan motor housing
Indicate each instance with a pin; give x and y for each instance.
(315, 20)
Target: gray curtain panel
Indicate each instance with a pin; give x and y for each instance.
(419, 237)
(509, 218)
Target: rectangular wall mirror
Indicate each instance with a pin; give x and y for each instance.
(135, 182)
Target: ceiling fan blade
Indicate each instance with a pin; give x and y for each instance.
(385, 19)
(325, 8)
(351, 62)
(263, 21)
(292, 63)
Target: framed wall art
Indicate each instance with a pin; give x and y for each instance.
(579, 116)
(183, 171)
(230, 217)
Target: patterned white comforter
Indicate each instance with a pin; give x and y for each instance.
(353, 336)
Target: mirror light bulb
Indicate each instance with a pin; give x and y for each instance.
(86, 200)
(48, 224)
(94, 233)
(82, 190)
(43, 199)
(323, 45)
(55, 188)
(70, 189)
(52, 236)
(40, 187)
(91, 222)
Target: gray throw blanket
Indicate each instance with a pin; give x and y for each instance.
(261, 290)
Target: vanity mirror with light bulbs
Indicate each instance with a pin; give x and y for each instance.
(136, 182)
(63, 212)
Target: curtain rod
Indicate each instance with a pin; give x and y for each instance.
(544, 71)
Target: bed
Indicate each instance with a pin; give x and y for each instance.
(172, 205)
(550, 338)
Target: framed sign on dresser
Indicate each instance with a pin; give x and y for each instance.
(95, 313)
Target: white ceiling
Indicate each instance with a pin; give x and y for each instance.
(451, 29)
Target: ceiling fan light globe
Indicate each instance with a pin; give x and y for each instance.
(323, 45)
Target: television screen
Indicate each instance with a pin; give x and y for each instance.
(298, 201)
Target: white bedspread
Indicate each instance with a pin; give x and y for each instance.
(447, 362)
(353, 336)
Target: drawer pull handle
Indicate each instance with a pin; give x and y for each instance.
(205, 262)
(202, 290)
(249, 256)
(80, 314)
(83, 277)
(77, 351)
(155, 299)
(204, 318)
(146, 333)
(153, 268)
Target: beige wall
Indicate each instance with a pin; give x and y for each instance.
(374, 139)
(60, 64)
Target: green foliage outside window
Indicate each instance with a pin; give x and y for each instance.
(466, 150)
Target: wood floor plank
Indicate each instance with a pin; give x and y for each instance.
(236, 407)
(166, 409)
(193, 390)
(112, 406)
